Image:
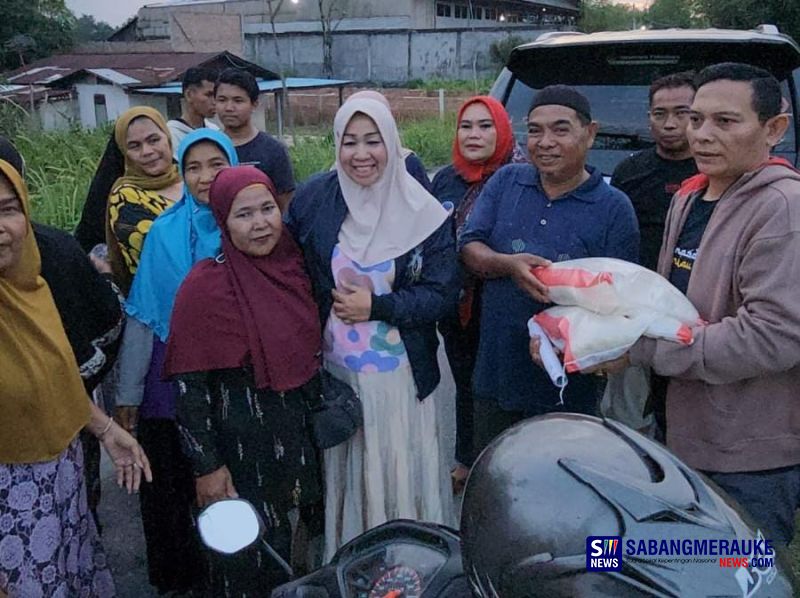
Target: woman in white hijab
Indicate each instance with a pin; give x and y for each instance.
(380, 252)
(413, 163)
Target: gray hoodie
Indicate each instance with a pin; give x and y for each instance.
(733, 402)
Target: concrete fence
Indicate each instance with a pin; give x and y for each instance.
(388, 57)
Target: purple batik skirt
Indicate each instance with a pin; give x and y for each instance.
(49, 547)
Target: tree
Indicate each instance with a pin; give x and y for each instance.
(670, 13)
(31, 29)
(331, 13)
(274, 7)
(89, 30)
(746, 14)
(602, 15)
(21, 44)
(500, 50)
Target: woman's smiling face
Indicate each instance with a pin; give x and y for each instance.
(363, 154)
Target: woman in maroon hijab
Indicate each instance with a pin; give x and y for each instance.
(244, 347)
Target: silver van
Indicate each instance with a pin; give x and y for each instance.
(614, 70)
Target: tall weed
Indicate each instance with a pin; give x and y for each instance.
(431, 139)
(60, 164)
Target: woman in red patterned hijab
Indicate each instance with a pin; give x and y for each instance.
(244, 347)
(484, 143)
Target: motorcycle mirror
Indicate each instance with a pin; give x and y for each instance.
(229, 525)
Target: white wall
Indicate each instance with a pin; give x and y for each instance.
(117, 102)
(58, 114)
(157, 102)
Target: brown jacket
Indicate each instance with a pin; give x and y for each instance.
(733, 402)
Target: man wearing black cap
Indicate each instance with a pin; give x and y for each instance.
(560, 209)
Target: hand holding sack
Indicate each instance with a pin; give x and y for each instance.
(605, 305)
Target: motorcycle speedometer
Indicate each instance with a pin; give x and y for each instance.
(397, 582)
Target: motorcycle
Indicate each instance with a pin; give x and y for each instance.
(595, 482)
(399, 559)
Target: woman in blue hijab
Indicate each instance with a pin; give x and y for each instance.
(180, 237)
(184, 234)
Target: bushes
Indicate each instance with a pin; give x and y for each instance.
(431, 139)
(500, 51)
(480, 86)
(60, 164)
(59, 167)
(311, 154)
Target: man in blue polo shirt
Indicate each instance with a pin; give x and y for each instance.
(528, 216)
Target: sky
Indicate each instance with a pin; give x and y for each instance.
(113, 12)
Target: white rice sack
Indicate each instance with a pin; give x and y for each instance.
(586, 338)
(615, 287)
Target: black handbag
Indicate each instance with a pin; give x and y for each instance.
(338, 413)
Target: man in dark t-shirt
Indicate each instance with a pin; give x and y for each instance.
(684, 255)
(236, 95)
(651, 177)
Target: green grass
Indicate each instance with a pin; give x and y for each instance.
(60, 164)
(59, 168)
(431, 139)
(311, 154)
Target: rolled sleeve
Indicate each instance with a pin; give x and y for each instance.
(135, 355)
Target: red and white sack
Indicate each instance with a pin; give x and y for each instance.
(610, 286)
(586, 339)
(605, 305)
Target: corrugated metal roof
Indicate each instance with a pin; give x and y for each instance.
(66, 64)
(21, 94)
(302, 83)
(150, 68)
(571, 5)
(37, 74)
(181, 3)
(273, 85)
(114, 76)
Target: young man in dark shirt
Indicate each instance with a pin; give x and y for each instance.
(236, 95)
(651, 177)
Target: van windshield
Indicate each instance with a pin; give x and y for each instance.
(621, 111)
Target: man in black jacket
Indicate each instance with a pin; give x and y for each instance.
(651, 177)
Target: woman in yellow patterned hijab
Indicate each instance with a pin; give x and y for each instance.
(150, 185)
(43, 406)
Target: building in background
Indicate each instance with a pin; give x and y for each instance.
(384, 41)
(158, 20)
(94, 87)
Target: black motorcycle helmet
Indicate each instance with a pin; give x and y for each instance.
(543, 487)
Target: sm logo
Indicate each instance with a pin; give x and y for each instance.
(604, 553)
